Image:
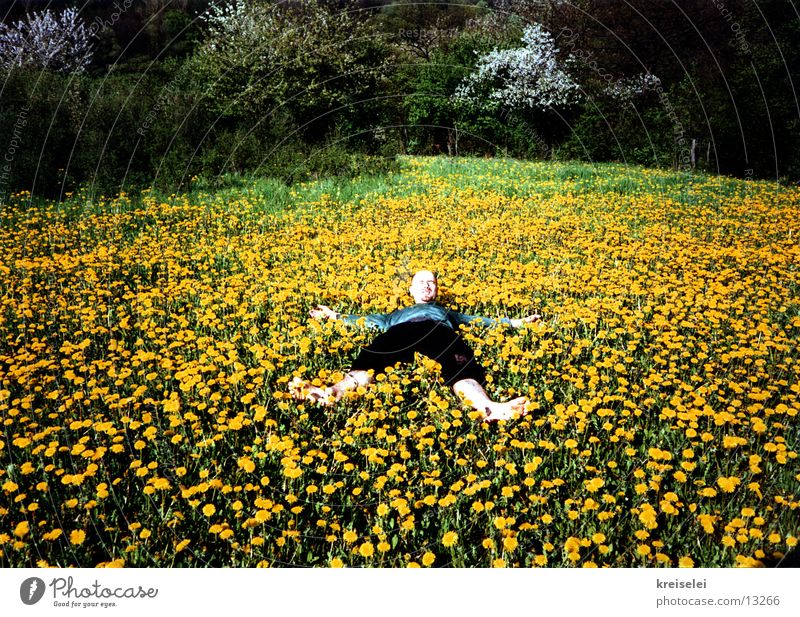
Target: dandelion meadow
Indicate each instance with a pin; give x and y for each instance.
(147, 342)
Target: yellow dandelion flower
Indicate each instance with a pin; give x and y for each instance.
(648, 518)
(294, 472)
(594, 485)
(77, 536)
(209, 509)
(428, 558)
(449, 538)
(707, 521)
(246, 463)
(159, 483)
(572, 544)
(366, 549)
(728, 484)
(686, 562)
(510, 544)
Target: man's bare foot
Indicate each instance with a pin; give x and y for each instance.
(515, 408)
(301, 390)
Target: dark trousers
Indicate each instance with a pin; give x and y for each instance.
(430, 338)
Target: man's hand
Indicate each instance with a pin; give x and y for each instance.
(323, 312)
(517, 323)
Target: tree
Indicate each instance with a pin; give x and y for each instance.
(46, 40)
(261, 60)
(529, 77)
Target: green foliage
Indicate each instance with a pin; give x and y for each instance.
(303, 59)
(307, 89)
(131, 130)
(110, 134)
(429, 106)
(642, 133)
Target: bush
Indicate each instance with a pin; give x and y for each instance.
(305, 60)
(45, 40)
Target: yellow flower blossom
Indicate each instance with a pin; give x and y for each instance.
(77, 536)
(449, 539)
(366, 549)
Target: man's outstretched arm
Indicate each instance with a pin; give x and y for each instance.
(461, 318)
(323, 312)
(532, 318)
(375, 320)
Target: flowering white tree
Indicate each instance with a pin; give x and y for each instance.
(237, 27)
(302, 57)
(530, 77)
(47, 40)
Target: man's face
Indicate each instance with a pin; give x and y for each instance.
(424, 287)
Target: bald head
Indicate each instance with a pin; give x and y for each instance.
(424, 286)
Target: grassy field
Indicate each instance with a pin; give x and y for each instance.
(146, 343)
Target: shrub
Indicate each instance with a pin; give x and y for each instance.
(45, 40)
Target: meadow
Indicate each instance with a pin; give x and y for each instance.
(146, 343)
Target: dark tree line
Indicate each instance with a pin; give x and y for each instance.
(313, 88)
